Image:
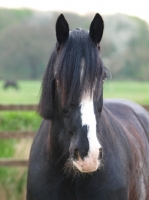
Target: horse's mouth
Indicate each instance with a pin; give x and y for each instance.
(90, 163)
(87, 165)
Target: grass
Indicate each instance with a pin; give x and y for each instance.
(19, 121)
(13, 180)
(29, 92)
(135, 91)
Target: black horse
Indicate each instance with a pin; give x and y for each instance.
(10, 83)
(86, 148)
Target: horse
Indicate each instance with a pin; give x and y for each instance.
(10, 83)
(87, 147)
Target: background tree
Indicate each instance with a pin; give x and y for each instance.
(28, 37)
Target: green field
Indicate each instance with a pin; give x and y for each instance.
(13, 180)
(135, 91)
(29, 92)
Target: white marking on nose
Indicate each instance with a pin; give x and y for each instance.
(91, 162)
(88, 119)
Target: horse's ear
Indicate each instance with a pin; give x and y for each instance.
(62, 29)
(96, 28)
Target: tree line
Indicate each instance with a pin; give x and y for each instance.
(27, 39)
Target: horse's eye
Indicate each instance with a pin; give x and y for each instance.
(105, 75)
(65, 111)
(98, 47)
(58, 47)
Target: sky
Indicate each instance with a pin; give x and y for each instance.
(138, 8)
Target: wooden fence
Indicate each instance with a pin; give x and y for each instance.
(22, 134)
(11, 162)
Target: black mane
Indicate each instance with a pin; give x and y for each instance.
(65, 67)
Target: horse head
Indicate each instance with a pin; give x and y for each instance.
(72, 91)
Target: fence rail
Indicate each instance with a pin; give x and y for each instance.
(7, 162)
(18, 107)
(146, 107)
(31, 107)
(11, 162)
(16, 134)
(22, 134)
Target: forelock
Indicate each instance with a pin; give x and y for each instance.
(78, 67)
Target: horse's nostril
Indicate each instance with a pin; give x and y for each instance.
(100, 153)
(76, 154)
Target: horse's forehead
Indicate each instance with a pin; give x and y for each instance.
(87, 110)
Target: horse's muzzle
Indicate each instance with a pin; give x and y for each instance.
(90, 163)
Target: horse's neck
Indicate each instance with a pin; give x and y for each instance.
(111, 130)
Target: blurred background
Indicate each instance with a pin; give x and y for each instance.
(27, 38)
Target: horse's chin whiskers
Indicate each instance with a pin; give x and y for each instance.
(101, 166)
(71, 169)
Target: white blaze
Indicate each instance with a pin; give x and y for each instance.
(89, 119)
(90, 162)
